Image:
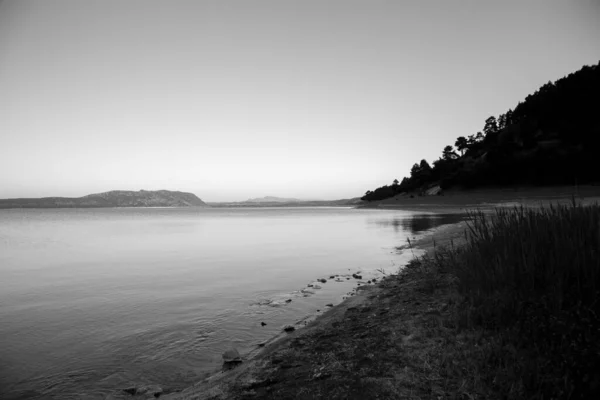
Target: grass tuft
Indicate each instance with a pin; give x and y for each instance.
(530, 281)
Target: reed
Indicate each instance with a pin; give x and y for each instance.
(530, 279)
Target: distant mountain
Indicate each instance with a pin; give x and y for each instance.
(271, 199)
(282, 202)
(115, 198)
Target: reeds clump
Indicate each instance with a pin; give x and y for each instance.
(531, 280)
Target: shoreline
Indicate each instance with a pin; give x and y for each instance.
(456, 201)
(349, 345)
(230, 384)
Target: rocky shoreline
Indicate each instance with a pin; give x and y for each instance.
(375, 344)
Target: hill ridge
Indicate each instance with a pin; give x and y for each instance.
(112, 198)
(549, 138)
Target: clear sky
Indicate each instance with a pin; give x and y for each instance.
(238, 99)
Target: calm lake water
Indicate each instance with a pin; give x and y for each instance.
(93, 300)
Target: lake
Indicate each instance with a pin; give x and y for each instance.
(93, 300)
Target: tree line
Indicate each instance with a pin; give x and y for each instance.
(550, 138)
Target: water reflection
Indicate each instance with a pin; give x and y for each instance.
(95, 300)
(418, 223)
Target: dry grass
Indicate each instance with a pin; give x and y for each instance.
(530, 281)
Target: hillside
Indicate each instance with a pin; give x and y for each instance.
(272, 199)
(289, 203)
(550, 138)
(115, 198)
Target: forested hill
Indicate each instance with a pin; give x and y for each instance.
(115, 198)
(552, 137)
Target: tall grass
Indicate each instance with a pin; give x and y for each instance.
(531, 280)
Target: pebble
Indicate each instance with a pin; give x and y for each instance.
(232, 355)
(153, 390)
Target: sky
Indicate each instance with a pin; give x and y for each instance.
(313, 99)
